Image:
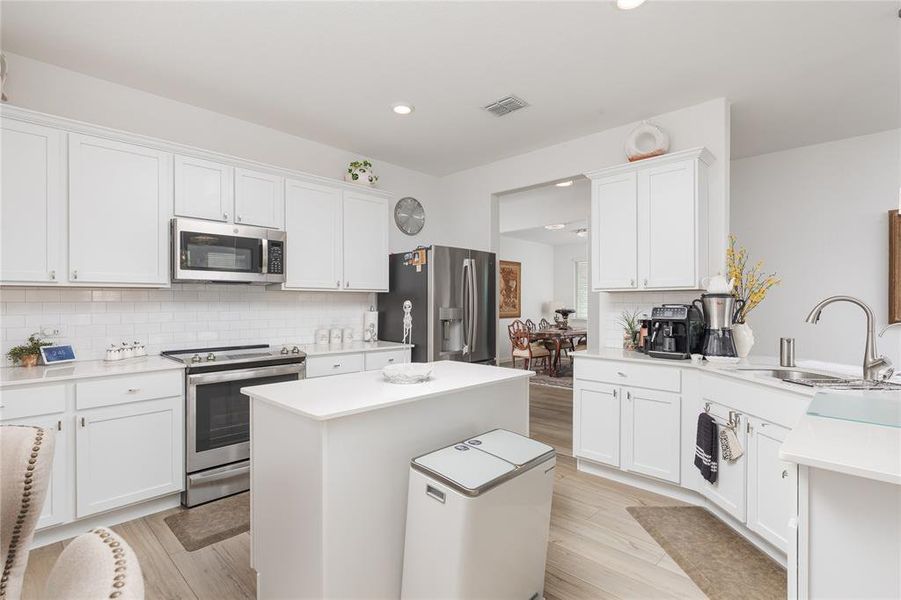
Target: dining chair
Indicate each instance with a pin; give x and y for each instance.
(524, 348)
(544, 323)
(530, 325)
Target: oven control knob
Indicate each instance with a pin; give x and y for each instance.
(284, 349)
(196, 358)
(295, 350)
(211, 357)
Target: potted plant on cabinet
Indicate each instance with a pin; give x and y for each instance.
(27, 355)
(751, 284)
(631, 323)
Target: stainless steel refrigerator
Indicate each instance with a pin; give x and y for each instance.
(453, 291)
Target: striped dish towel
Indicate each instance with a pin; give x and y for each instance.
(706, 447)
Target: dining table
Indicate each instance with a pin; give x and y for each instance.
(557, 337)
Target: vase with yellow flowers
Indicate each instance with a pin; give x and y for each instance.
(751, 285)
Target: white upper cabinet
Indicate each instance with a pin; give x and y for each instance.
(32, 203)
(614, 241)
(365, 242)
(120, 201)
(259, 199)
(649, 223)
(313, 227)
(337, 238)
(203, 189)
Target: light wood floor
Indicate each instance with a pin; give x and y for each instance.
(595, 551)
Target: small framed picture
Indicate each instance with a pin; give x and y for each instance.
(53, 355)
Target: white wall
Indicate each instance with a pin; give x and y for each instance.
(547, 204)
(818, 216)
(565, 257)
(54, 90)
(537, 285)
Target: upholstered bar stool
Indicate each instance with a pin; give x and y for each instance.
(95, 566)
(26, 457)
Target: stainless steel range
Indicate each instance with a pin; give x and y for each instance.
(217, 414)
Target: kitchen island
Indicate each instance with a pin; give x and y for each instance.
(330, 461)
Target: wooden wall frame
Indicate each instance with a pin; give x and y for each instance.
(894, 266)
(510, 293)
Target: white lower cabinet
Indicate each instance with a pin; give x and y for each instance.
(596, 422)
(128, 452)
(380, 360)
(334, 364)
(730, 490)
(651, 433)
(58, 505)
(772, 484)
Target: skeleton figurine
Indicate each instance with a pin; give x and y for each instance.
(408, 322)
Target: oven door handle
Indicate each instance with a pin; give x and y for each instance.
(220, 474)
(222, 376)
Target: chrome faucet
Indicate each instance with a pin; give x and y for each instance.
(875, 367)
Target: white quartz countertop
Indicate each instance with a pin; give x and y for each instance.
(741, 371)
(85, 369)
(851, 447)
(324, 398)
(352, 348)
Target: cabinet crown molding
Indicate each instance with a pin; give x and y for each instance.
(74, 126)
(700, 153)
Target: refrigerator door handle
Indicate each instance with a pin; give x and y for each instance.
(474, 312)
(466, 316)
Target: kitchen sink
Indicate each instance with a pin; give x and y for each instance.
(818, 380)
(794, 375)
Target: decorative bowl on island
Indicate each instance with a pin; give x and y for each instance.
(407, 373)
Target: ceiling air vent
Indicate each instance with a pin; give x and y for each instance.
(501, 107)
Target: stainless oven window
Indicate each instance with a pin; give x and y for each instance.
(201, 251)
(223, 412)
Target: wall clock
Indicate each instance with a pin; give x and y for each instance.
(409, 215)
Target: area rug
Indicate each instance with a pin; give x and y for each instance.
(720, 562)
(207, 524)
(565, 380)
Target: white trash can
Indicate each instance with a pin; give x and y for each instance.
(478, 514)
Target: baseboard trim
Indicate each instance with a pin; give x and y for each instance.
(671, 490)
(65, 531)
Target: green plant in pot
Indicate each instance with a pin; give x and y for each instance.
(631, 324)
(28, 355)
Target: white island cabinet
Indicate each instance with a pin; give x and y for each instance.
(330, 460)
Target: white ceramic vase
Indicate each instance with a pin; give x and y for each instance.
(743, 336)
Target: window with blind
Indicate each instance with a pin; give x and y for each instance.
(580, 293)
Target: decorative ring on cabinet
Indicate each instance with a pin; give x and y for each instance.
(645, 141)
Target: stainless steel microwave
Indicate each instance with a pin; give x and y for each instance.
(207, 251)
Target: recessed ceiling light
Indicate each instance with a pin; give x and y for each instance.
(567, 183)
(402, 108)
(628, 4)
(555, 226)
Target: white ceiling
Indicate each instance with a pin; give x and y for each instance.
(557, 237)
(797, 72)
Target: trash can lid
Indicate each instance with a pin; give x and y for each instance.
(464, 467)
(511, 447)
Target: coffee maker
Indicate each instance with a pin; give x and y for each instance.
(676, 331)
(719, 312)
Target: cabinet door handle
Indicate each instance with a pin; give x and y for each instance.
(336, 365)
(225, 216)
(52, 275)
(784, 474)
(82, 421)
(133, 390)
(75, 274)
(337, 284)
(629, 396)
(239, 218)
(390, 360)
(59, 425)
(347, 284)
(631, 283)
(645, 283)
(621, 374)
(615, 393)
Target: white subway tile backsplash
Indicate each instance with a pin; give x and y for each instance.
(93, 318)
